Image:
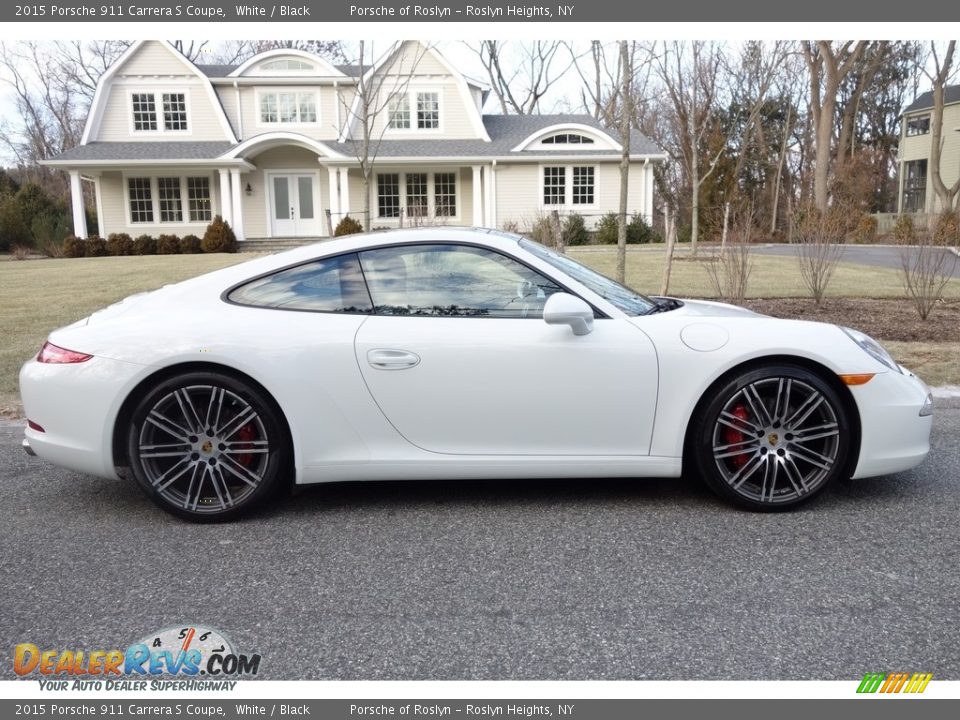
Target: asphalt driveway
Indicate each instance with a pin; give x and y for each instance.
(501, 580)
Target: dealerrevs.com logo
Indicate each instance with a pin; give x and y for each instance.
(185, 651)
(898, 682)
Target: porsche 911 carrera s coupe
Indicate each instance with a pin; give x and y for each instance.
(454, 353)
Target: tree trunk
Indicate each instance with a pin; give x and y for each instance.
(945, 195)
(625, 113)
(777, 179)
(671, 231)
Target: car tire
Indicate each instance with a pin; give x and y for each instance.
(207, 447)
(772, 438)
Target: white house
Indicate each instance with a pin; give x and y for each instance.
(271, 145)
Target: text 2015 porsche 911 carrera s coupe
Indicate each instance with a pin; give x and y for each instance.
(451, 353)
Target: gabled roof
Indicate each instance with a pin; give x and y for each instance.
(101, 94)
(924, 101)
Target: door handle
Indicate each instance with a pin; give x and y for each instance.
(383, 359)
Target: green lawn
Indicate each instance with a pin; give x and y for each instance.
(37, 296)
(771, 276)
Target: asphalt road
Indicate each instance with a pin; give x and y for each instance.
(887, 256)
(501, 580)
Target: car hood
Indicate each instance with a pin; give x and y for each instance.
(708, 308)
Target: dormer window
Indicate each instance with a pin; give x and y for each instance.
(286, 64)
(567, 139)
(288, 108)
(427, 104)
(159, 111)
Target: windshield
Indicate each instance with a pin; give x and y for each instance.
(622, 297)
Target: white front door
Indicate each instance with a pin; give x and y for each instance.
(294, 210)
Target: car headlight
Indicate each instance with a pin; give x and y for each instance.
(872, 348)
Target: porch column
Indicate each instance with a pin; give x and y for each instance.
(648, 200)
(490, 192)
(76, 201)
(477, 198)
(98, 199)
(334, 197)
(237, 205)
(226, 204)
(345, 193)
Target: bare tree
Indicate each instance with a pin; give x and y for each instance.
(521, 80)
(690, 73)
(818, 236)
(377, 101)
(729, 271)
(926, 261)
(827, 66)
(942, 70)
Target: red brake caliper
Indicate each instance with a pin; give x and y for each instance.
(731, 436)
(246, 434)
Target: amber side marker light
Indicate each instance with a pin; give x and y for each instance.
(858, 379)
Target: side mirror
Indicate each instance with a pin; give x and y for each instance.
(564, 309)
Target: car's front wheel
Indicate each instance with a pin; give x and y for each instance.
(206, 446)
(772, 438)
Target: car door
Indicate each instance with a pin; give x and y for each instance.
(459, 360)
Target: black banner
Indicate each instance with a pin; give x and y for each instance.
(738, 11)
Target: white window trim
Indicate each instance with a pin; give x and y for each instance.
(568, 204)
(411, 93)
(158, 93)
(431, 173)
(300, 89)
(568, 147)
(155, 199)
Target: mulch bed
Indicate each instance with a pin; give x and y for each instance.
(884, 319)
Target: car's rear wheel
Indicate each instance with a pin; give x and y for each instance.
(206, 446)
(772, 438)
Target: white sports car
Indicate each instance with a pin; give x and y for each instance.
(454, 353)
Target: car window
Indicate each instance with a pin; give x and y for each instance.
(453, 281)
(620, 296)
(328, 285)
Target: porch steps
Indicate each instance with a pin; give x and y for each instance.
(271, 245)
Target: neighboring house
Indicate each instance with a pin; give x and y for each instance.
(916, 191)
(268, 145)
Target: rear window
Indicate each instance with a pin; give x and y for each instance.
(330, 285)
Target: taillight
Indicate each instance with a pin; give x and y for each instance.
(33, 426)
(51, 353)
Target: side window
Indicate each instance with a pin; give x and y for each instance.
(329, 285)
(453, 281)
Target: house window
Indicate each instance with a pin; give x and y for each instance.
(428, 110)
(288, 108)
(554, 185)
(149, 115)
(425, 194)
(168, 197)
(567, 139)
(144, 112)
(918, 125)
(388, 195)
(141, 200)
(583, 185)
(399, 111)
(174, 111)
(162, 199)
(286, 64)
(198, 199)
(417, 195)
(915, 186)
(445, 194)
